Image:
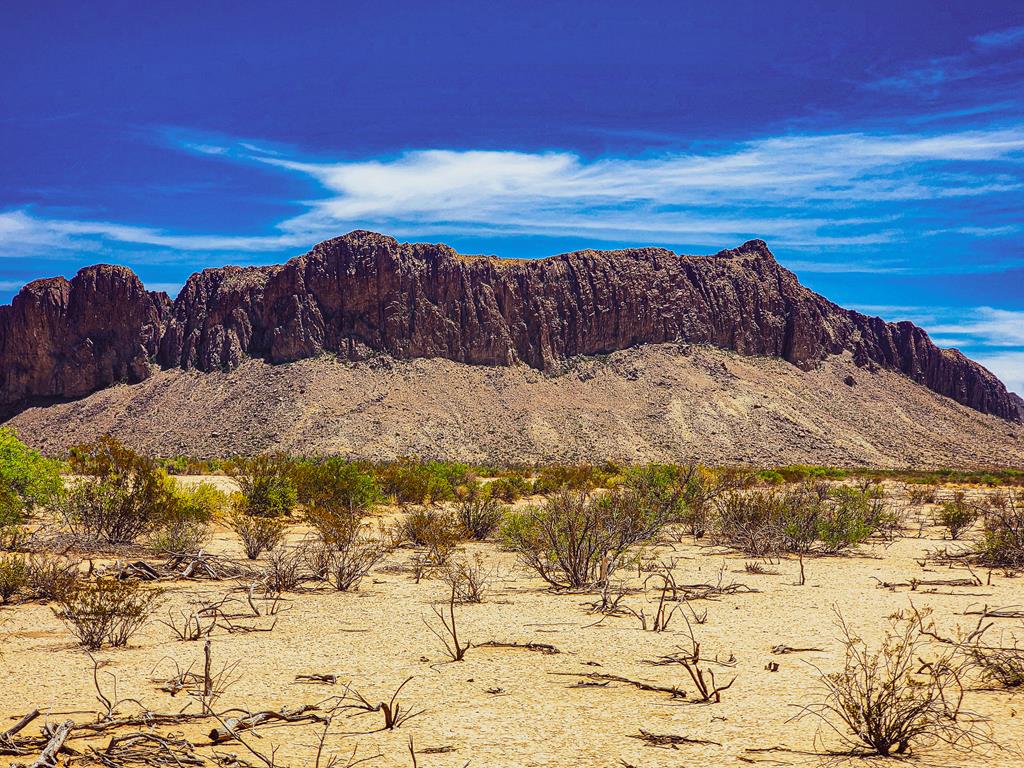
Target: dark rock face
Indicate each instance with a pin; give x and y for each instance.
(67, 339)
(365, 293)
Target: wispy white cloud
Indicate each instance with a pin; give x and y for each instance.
(1000, 38)
(799, 191)
(1008, 366)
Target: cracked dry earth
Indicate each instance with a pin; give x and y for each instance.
(658, 402)
(510, 707)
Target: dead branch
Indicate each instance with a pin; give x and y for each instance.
(600, 677)
(232, 726)
(669, 740)
(538, 647)
(48, 757)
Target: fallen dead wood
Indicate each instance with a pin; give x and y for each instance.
(781, 649)
(675, 693)
(233, 726)
(669, 740)
(545, 648)
(48, 757)
(7, 745)
(317, 678)
(996, 613)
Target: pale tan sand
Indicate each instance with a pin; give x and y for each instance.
(376, 638)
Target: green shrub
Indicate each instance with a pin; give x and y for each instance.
(511, 487)
(478, 511)
(575, 540)
(13, 577)
(336, 483)
(120, 496)
(552, 478)
(957, 515)
(26, 477)
(257, 534)
(107, 612)
(411, 481)
(1001, 544)
(266, 485)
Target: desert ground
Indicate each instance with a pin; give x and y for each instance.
(517, 706)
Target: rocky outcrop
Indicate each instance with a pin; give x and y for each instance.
(365, 294)
(65, 339)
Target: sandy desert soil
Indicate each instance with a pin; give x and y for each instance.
(512, 707)
(653, 403)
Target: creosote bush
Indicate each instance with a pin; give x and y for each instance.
(1001, 544)
(576, 540)
(957, 515)
(478, 511)
(13, 577)
(266, 485)
(351, 556)
(257, 534)
(901, 697)
(337, 484)
(27, 481)
(434, 528)
(107, 612)
(51, 577)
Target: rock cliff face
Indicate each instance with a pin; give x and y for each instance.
(364, 293)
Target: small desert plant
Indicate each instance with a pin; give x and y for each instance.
(107, 612)
(433, 528)
(1001, 544)
(478, 511)
(920, 494)
(51, 577)
(468, 578)
(448, 633)
(27, 479)
(890, 701)
(180, 536)
(336, 483)
(574, 540)
(284, 570)
(13, 577)
(353, 555)
(411, 481)
(266, 485)
(957, 515)
(511, 487)
(121, 496)
(331, 522)
(257, 534)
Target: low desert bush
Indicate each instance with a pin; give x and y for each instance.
(957, 515)
(51, 577)
(920, 494)
(552, 478)
(468, 578)
(891, 700)
(180, 536)
(336, 483)
(284, 571)
(478, 511)
(121, 495)
(351, 557)
(434, 528)
(27, 479)
(13, 577)
(257, 534)
(1001, 544)
(511, 487)
(107, 612)
(266, 485)
(410, 481)
(332, 523)
(575, 540)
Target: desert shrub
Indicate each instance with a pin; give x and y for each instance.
(121, 495)
(411, 481)
(27, 478)
(750, 522)
(478, 511)
(850, 516)
(434, 528)
(1001, 544)
(107, 612)
(575, 540)
(336, 483)
(468, 579)
(51, 577)
(13, 577)
(890, 701)
(920, 494)
(511, 487)
(331, 523)
(257, 534)
(352, 556)
(266, 485)
(179, 536)
(284, 572)
(957, 515)
(577, 477)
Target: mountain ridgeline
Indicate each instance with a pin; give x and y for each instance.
(365, 294)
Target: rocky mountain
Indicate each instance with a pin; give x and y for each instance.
(364, 295)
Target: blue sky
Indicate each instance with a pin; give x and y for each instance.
(877, 146)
